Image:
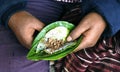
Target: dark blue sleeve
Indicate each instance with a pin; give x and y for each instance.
(9, 7)
(110, 10)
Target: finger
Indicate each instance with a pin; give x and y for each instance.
(80, 29)
(37, 26)
(28, 38)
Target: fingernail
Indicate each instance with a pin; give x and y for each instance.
(69, 38)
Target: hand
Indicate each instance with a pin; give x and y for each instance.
(91, 27)
(24, 25)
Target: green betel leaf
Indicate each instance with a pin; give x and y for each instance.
(51, 44)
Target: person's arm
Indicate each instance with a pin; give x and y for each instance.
(110, 11)
(24, 25)
(8, 8)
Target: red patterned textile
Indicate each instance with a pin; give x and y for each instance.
(103, 57)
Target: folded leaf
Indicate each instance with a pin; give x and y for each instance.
(51, 44)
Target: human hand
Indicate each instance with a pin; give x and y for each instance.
(24, 26)
(91, 27)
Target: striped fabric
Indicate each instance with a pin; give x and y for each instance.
(104, 57)
(70, 1)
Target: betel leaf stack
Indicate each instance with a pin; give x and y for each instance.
(51, 44)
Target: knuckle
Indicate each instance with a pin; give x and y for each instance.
(91, 44)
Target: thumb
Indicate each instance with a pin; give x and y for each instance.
(38, 25)
(80, 29)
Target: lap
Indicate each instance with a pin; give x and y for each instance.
(13, 55)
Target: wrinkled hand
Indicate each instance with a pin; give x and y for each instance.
(24, 25)
(91, 27)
